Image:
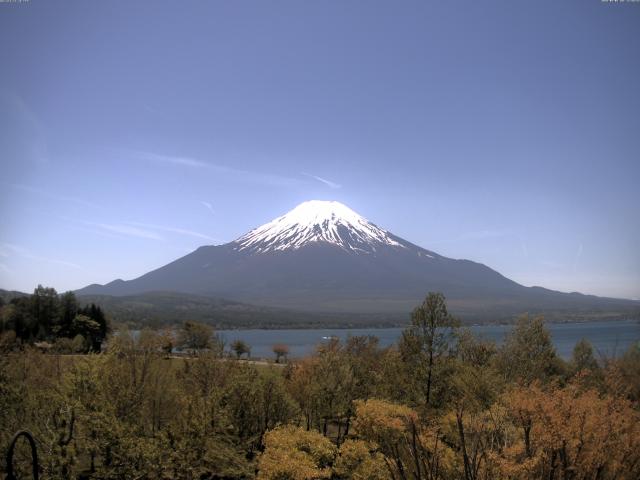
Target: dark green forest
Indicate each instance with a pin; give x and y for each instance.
(52, 321)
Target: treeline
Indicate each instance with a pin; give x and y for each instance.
(53, 322)
(441, 404)
(160, 309)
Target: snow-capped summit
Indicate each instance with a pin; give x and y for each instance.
(317, 221)
(323, 257)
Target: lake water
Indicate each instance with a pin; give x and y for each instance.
(610, 338)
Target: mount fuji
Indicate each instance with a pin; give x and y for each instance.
(324, 257)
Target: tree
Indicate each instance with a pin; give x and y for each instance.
(8, 318)
(359, 460)
(333, 381)
(95, 313)
(473, 350)
(474, 386)
(17, 316)
(626, 370)
(302, 384)
(570, 433)
(47, 316)
(8, 341)
(410, 450)
(256, 401)
(582, 357)
(281, 350)
(78, 344)
(167, 341)
(292, 453)
(363, 355)
(45, 310)
(384, 423)
(240, 348)
(195, 336)
(87, 328)
(528, 353)
(68, 311)
(426, 342)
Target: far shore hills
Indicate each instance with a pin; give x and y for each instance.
(157, 309)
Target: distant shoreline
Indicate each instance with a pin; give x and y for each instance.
(404, 325)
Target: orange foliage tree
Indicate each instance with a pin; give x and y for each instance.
(569, 433)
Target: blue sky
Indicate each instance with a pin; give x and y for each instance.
(503, 132)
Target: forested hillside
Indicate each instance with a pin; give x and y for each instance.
(154, 309)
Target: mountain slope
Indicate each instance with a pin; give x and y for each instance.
(324, 257)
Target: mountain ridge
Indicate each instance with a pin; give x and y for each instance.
(324, 257)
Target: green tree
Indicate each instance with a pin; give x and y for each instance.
(78, 344)
(195, 336)
(333, 379)
(583, 358)
(426, 343)
(627, 369)
(45, 310)
(68, 311)
(240, 348)
(19, 318)
(95, 313)
(528, 353)
(86, 328)
(474, 350)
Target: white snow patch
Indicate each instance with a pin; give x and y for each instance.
(317, 221)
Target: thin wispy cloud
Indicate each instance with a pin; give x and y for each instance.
(143, 230)
(180, 231)
(328, 183)
(54, 196)
(97, 231)
(32, 139)
(90, 227)
(523, 247)
(128, 230)
(238, 174)
(174, 160)
(208, 206)
(494, 234)
(153, 110)
(9, 250)
(483, 234)
(577, 256)
(552, 264)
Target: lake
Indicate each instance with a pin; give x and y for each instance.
(609, 338)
